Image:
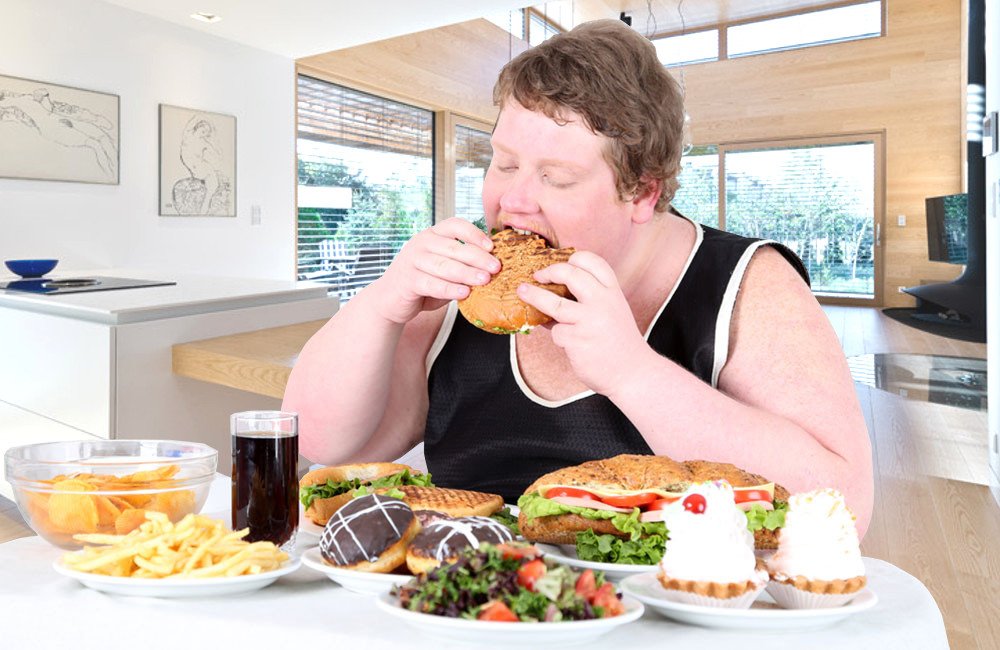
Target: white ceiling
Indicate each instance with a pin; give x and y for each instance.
(297, 28)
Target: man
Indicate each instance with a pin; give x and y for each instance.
(679, 340)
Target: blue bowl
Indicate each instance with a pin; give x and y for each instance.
(31, 268)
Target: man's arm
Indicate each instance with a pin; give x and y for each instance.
(786, 406)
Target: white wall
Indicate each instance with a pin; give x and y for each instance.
(97, 46)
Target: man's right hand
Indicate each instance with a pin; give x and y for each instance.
(435, 266)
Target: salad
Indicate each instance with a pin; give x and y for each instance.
(510, 582)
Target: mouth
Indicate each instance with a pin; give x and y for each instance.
(524, 231)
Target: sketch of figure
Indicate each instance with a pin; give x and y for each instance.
(208, 190)
(68, 125)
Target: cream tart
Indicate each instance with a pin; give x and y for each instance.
(818, 561)
(709, 556)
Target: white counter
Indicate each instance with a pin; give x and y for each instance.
(99, 364)
(191, 295)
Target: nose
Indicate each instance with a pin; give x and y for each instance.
(519, 196)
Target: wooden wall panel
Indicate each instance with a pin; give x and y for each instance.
(907, 84)
(449, 68)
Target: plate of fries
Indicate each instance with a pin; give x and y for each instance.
(197, 556)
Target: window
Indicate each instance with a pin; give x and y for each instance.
(803, 30)
(817, 199)
(510, 21)
(365, 174)
(696, 47)
(540, 28)
(472, 158)
(698, 195)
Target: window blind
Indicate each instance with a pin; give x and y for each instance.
(365, 172)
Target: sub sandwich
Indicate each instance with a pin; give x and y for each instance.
(611, 509)
(325, 490)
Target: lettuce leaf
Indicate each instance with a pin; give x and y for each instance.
(310, 493)
(758, 518)
(608, 548)
(535, 505)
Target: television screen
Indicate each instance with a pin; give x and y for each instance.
(947, 230)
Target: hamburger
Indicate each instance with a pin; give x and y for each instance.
(324, 491)
(611, 509)
(495, 307)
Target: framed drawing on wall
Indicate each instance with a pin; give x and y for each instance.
(57, 133)
(197, 163)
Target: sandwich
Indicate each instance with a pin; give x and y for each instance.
(495, 307)
(323, 491)
(611, 509)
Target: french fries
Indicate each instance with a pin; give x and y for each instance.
(194, 547)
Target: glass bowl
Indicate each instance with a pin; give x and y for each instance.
(106, 486)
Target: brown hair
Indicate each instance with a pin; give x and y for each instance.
(610, 75)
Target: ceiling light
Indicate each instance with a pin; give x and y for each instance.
(206, 17)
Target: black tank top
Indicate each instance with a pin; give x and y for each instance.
(487, 431)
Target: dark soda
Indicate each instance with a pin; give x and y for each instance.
(266, 486)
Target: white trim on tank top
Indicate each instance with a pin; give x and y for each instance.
(530, 394)
(725, 318)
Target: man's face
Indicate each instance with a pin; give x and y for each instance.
(552, 179)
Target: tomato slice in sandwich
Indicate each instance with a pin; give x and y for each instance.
(660, 504)
(575, 493)
(631, 500)
(743, 495)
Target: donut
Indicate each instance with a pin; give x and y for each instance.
(369, 533)
(441, 540)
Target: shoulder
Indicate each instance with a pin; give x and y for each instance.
(777, 322)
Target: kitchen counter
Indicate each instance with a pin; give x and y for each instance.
(191, 295)
(258, 362)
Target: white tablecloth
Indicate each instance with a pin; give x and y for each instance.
(42, 609)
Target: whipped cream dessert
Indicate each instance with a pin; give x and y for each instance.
(708, 537)
(819, 540)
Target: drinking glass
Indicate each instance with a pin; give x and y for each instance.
(265, 482)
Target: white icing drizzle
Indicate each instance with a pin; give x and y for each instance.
(341, 521)
(464, 527)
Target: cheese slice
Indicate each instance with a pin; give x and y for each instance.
(609, 491)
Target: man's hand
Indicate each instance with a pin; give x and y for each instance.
(435, 266)
(597, 330)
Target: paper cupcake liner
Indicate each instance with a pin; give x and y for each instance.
(738, 595)
(789, 596)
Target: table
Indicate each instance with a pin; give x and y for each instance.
(42, 609)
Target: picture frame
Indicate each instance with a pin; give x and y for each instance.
(53, 132)
(197, 175)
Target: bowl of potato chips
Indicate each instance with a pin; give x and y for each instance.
(90, 487)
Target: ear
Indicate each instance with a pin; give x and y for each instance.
(644, 205)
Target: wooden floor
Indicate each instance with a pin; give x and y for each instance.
(930, 518)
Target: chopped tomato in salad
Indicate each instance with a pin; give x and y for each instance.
(509, 583)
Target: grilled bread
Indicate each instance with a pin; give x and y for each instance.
(454, 503)
(495, 307)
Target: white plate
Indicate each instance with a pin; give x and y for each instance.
(309, 533)
(566, 554)
(361, 582)
(177, 587)
(764, 614)
(529, 635)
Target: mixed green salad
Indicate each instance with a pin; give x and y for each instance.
(510, 582)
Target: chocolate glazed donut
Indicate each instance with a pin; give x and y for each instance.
(369, 533)
(443, 538)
